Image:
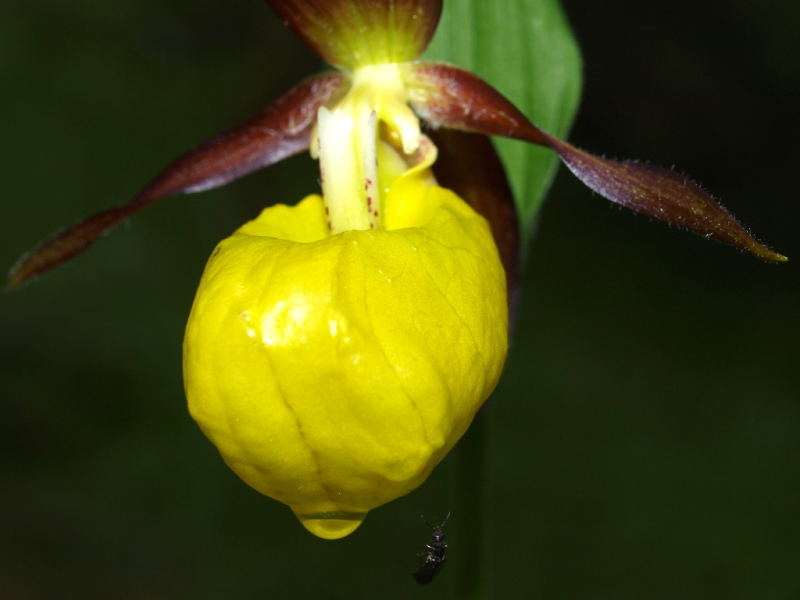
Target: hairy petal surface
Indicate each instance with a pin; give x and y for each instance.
(279, 131)
(357, 33)
(450, 97)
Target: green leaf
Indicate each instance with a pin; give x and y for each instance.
(525, 49)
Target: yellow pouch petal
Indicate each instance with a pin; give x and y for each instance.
(334, 372)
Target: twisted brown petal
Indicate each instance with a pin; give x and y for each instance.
(352, 33)
(279, 131)
(450, 97)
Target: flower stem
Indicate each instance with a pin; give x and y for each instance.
(472, 503)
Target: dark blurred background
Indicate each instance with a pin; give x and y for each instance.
(647, 430)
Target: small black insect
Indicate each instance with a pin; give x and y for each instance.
(432, 557)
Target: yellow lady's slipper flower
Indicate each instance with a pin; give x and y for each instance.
(338, 349)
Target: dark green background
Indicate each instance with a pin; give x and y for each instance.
(647, 430)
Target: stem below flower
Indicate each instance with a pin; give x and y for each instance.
(471, 503)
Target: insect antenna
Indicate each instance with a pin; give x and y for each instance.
(424, 520)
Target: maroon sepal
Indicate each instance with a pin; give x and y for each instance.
(352, 33)
(469, 165)
(447, 96)
(279, 131)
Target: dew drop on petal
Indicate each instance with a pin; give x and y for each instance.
(332, 525)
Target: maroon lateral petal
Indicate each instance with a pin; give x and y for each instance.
(451, 97)
(352, 33)
(469, 165)
(279, 131)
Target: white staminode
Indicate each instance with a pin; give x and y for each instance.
(340, 169)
